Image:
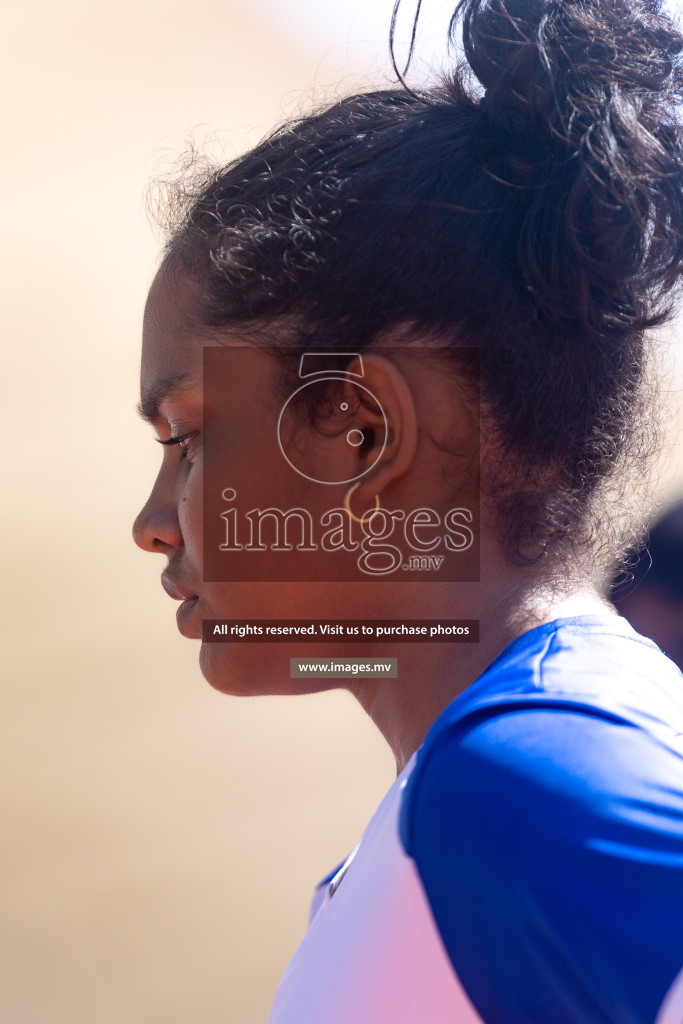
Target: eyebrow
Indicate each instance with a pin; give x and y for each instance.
(174, 386)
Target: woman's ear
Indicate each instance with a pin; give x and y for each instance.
(384, 423)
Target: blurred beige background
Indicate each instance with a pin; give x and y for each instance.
(159, 841)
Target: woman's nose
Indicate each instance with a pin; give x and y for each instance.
(156, 527)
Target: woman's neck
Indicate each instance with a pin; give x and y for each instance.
(431, 675)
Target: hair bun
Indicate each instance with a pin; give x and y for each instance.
(558, 55)
(579, 97)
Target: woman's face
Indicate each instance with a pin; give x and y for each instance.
(241, 415)
(218, 407)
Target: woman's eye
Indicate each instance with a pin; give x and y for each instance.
(185, 441)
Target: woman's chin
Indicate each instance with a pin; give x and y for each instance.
(254, 670)
(237, 671)
(217, 664)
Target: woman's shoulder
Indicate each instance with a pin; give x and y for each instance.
(561, 712)
(596, 664)
(545, 818)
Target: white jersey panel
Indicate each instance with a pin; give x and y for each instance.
(671, 1011)
(372, 953)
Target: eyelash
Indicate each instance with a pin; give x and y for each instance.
(182, 440)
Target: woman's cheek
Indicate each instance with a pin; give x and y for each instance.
(190, 508)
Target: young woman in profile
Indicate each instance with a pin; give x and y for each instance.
(527, 864)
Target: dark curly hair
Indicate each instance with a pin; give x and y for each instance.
(529, 204)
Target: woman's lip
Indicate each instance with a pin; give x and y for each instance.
(185, 610)
(174, 590)
(183, 615)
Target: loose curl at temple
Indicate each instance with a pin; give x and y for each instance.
(530, 204)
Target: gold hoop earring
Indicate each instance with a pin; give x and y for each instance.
(347, 505)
